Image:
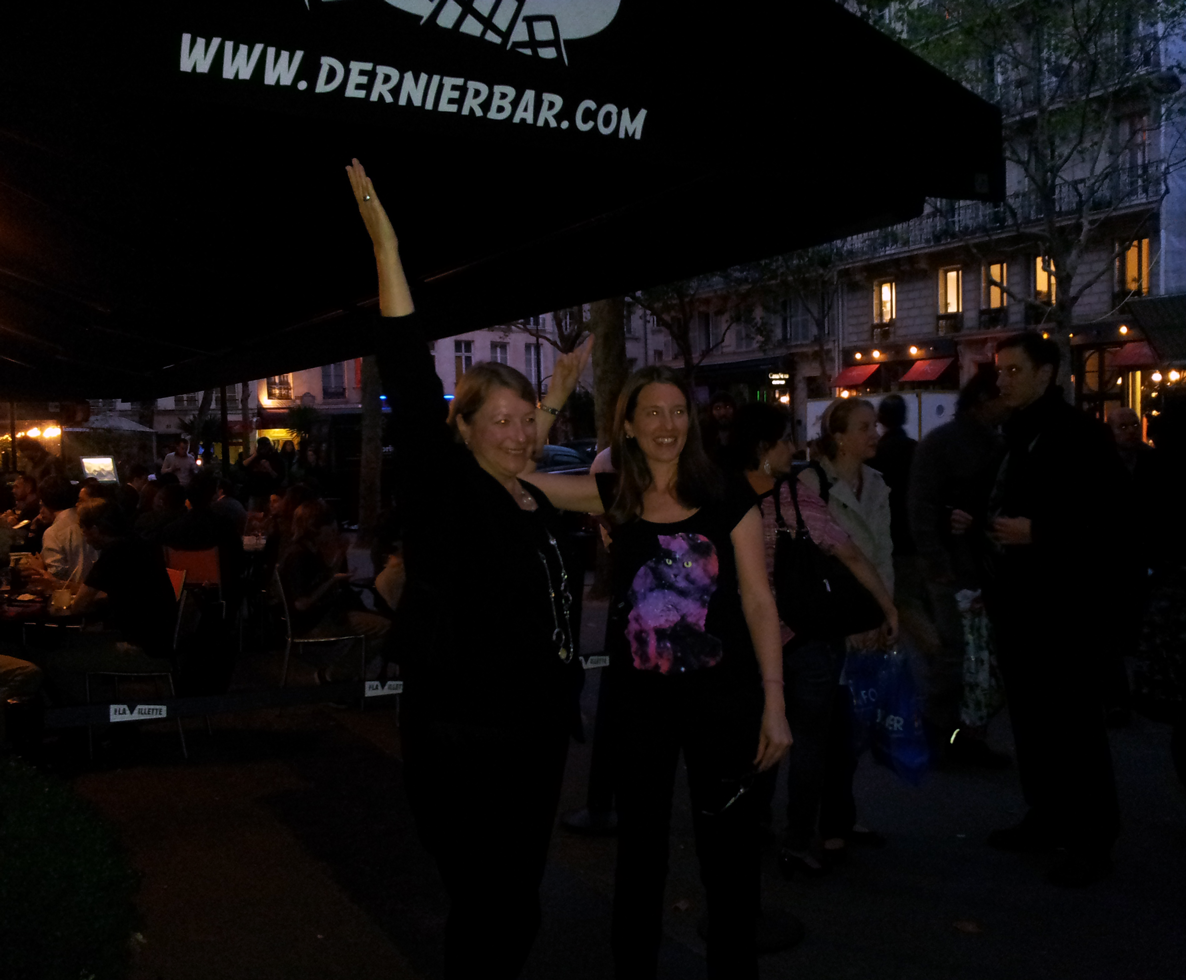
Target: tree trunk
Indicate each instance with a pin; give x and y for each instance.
(203, 409)
(370, 468)
(146, 412)
(607, 323)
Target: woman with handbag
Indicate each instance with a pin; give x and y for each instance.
(816, 546)
(697, 666)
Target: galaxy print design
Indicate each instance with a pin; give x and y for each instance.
(670, 596)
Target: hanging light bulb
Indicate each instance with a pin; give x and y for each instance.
(857, 356)
(913, 350)
(35, 432)
(1155, 377)
(876, 354)
(1123, 330)
(1174, 376)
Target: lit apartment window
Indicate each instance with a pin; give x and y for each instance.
(534, 367)
(499, 353)
(1132, 270)
(951, 291)
(280, 388)
(333, 381)
(885, 301)
(463, 357)
(995, 281)
(1044, 284)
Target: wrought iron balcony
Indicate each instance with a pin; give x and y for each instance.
(949, 323)
(883, 333)
(994, 319)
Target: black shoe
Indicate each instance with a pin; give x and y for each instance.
(965, 750)
(1077, 869)
(791, 864)
(1023, 839)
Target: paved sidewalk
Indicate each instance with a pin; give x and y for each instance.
(284, 850)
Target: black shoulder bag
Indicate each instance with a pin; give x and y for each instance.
(817, 596)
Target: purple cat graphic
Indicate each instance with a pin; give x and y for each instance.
(670, 595)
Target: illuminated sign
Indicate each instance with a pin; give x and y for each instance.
(779, 379)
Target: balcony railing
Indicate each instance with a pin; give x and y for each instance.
(949, 323)
(994, 319)
(960, 220)
(883, 333)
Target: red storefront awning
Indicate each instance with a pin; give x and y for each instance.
(1137, 354)
(854, 375)
(927, 370)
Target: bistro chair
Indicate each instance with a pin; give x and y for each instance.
(177, 579)
(293, 642)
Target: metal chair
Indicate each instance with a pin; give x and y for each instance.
(177, 579)
(292, 641)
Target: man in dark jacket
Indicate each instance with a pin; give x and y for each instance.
(1060, 481)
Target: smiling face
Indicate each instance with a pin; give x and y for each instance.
(859, 440)
(501, 433)
(660, 422)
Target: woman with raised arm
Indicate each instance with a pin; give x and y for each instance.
(694, 643)
(490, 697)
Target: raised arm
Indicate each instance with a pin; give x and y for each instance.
(565, 376)
(395, 298)
(568, 492)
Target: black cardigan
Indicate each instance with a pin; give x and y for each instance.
(478, 622)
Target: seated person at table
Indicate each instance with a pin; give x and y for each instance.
(66, 559)
(226, 505)
(200, 528)
(129, 590)
(321, 603)
(129, 493)
(26, 509)
(167, 508)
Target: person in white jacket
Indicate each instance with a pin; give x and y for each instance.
(66, 558)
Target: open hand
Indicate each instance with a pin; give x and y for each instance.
(377, 223)
(569, 368)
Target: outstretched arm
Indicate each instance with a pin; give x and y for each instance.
(395, 298)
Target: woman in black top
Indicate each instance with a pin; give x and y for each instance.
(488, 662)
(694, 645)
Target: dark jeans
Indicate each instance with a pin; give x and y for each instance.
(811, 671)
(714, 717)
(485, 801)
(1052, 672)
(821, 763)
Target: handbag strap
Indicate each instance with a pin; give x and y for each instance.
(800, 524)
(825, 485)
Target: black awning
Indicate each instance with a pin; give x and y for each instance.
(174, 211)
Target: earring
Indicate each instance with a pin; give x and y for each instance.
(766, 466)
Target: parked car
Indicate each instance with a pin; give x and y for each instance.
(561, 459)
(586, 447)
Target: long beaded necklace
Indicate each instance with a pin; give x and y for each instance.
(562, 636)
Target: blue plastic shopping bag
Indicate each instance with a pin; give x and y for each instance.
(886, 715)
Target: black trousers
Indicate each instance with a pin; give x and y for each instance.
(485, 802)
(714, 717)
(1052, 671)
